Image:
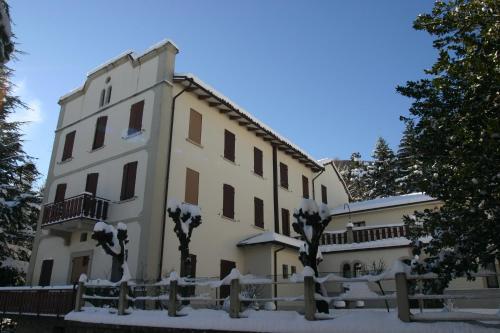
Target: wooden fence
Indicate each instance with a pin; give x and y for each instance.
(124, 294)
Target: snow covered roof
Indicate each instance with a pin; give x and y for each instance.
(244, 118)
(381, 243)
(379, 203)
(127, 55)
(271, 237)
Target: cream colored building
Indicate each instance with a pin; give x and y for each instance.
(137, 134)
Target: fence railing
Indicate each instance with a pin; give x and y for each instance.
(81, 206)
(363, 234)
(52, 301)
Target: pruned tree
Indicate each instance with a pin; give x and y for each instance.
(186, 217)
(113, 242)
(310, 222)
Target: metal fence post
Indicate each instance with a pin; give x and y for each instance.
(309, 304)
(79, 296)
(234, 297)
(172, 299)
(402, 297)
(122, 298)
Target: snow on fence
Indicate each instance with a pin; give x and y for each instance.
(169, 293)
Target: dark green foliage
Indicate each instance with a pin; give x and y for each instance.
(6, 43)
(409, 166)
(354, 173)
(455, 112)
(381, 177)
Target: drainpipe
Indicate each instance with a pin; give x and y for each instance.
(276, 273)
(319, 174)
(167, 178)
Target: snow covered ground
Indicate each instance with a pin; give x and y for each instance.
(344, 321)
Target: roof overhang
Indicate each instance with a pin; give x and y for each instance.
(226, 107)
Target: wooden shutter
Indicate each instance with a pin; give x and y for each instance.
(46, 272)
(259, 212)
(305, 187)
(192, 186)
(195, 122)
(229, 140)
(324, 196)
(68, 145)
(257, 161)
(285, 271)
(225, 268)
(285, 221)
(283, 175)
(91, 184)
(60, 192)
(135, 121)
(100, 132)
(128, 180)
(228, 201)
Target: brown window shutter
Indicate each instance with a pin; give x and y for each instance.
(68, 145)
(228, 201)
(100, 132)
(195, 125)
(324, 196)
(257, 161)
(192, 186)
(135, 121)
(229, 145)
(285, 221)
(259, 212)
(283, 175)
(60, 192)
(305, 187)
(91, 184)
(128, 180)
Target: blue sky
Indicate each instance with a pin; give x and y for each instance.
(322, 73)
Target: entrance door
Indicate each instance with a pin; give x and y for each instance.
(225, 268)
(46, 272)
(80, 266)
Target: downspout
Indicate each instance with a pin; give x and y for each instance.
(169, 155)
(275, 190)
(319, 174)
(276, 273)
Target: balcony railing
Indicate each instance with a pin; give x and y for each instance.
(81, 206)
(365, 234)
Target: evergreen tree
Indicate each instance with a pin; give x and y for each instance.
(354, 174)
(19, 203)
(457, 127)
(409, 167)
(381, 176)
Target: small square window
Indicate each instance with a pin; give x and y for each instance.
(293, 269)
(83, 237)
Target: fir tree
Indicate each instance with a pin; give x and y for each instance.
(19, 203)
(354, 174)
(409, 167)
(381, 176)
(457, 127)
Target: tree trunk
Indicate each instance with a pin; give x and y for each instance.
(116, 269)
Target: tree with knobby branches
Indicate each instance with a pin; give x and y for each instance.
(113, 241)
(457, 138)
(310, 222)
(186, 217)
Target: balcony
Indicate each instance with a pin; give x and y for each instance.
(75, 213)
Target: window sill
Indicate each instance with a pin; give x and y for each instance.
(128, 136)
(285, 189)
(257, 175)
(199, 145)
(229, 218)
(229, 161)
(258, 228)
(96, 149)
(126, 200)
(66, 160)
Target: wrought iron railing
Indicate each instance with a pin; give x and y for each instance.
(81, 206)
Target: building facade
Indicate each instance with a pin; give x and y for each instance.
(135, 135)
